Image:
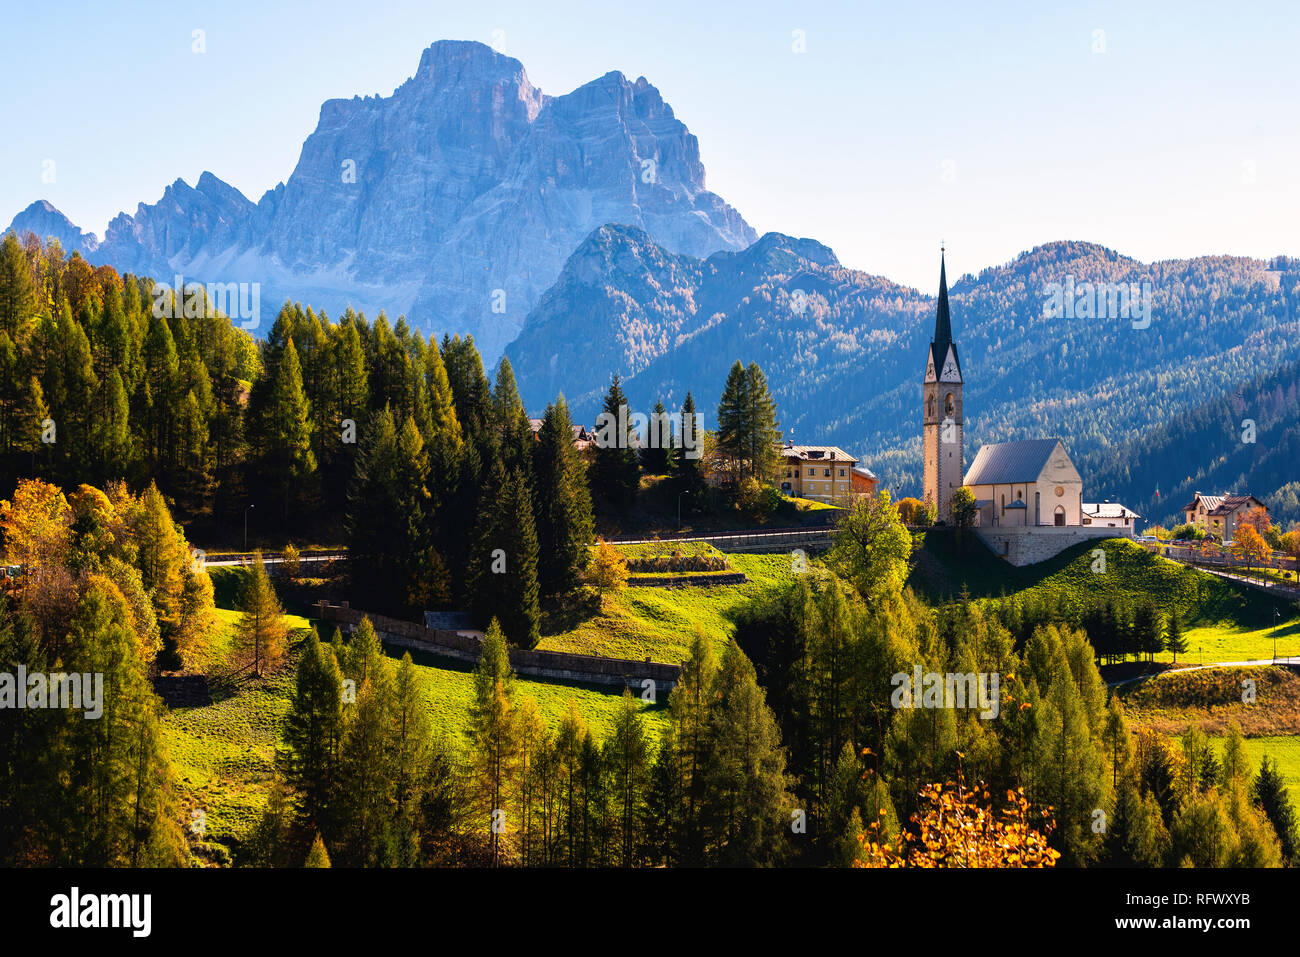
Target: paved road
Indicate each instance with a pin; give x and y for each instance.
(745, 539)
(1273, 588)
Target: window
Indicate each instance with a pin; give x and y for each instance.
(827, 473)
(949, 406)
(841, 473)
(812, 472)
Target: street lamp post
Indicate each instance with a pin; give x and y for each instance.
(1276, 619)
(246, 508)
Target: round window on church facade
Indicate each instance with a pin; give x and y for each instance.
(1060, 490)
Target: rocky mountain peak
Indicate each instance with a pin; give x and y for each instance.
(454, 201)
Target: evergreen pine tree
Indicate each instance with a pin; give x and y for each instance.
(616, 474)
(733, 421)
(502, 577)
(1270, 793)
(562, 504)
(286, 431)
(686, 461)
(314, 733)
(654, 454)
(1175, 642)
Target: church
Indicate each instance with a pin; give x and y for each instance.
(1028, 494)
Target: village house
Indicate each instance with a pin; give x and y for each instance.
(1109, 515)
(1220, 515)
(583, 437)
(821, 473)
(864, 481)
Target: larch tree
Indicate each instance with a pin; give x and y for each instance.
(261, 634)
(495, 735)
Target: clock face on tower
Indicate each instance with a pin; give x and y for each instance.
(949, 369)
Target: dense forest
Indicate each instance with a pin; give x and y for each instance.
(1248, 441)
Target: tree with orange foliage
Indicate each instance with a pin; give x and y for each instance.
(1291, 545)
(1250, 545)
(958, 826)
(37, 528)
(1257, 518)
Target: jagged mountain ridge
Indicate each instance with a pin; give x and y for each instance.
(456, 200)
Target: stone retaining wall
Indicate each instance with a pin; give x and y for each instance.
(1028, 545)
(700, 580)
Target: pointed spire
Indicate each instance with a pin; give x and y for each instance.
(942, 323)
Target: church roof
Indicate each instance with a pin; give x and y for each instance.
(1007, 462)
(943, 323)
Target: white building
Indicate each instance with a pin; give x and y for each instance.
(1110, 515)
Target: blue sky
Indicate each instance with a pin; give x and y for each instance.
(994, 126)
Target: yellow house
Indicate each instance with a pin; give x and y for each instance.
(822, 473)
(1220, 514)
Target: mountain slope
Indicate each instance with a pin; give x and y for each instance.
(847, 369)
(455, 200)
(1205, 449)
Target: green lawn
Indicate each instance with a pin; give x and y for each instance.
(658, 623)
(1225, 620)
(1284, 749)
(667, 547)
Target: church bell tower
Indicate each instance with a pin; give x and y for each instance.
(945, 459)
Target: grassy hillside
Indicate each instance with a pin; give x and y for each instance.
(224, 753)
(1224, 620)
(1212, 698)
(658, 623)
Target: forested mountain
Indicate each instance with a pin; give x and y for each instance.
(1209, 449)
(847, 368)
(455, 200)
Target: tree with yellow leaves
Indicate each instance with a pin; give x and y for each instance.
(958, 826)
(608, 569)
